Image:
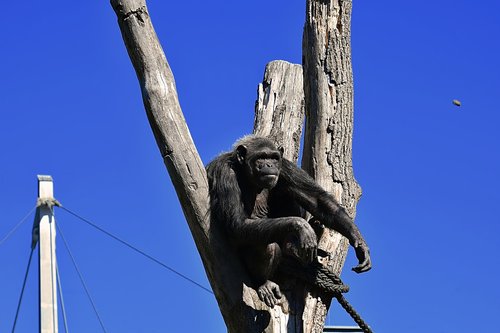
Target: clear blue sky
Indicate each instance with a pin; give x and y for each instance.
(71, 107)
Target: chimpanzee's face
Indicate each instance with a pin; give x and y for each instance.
(262, 166)
(265, 165)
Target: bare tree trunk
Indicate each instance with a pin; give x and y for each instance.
(279, 114)
(328, 89)
(180, 155)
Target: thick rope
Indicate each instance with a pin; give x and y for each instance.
(315, 275)
(328, 282)
(354, 315)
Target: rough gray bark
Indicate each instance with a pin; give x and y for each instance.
(328, 89)
(279, 109)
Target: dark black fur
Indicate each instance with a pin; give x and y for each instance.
(266, 222)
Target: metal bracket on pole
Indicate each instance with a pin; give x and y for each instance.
(47, 256)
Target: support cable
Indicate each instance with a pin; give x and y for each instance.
(22, 290)
(59, 289)
(17, 226)
(138, 250)
(81, 278)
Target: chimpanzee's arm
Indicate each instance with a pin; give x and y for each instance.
(323, 207)
(282, 230)
(317, 201)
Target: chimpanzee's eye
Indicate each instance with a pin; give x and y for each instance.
(275, 156)
(270, 156)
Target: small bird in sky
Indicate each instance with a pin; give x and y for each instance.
(457, 102)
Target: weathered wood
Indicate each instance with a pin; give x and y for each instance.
(328, 89)
(178, 151)
(279, 109)
(164, 112)
(279, 114)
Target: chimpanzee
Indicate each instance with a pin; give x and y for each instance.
(261, 199)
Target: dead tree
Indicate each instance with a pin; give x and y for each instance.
(321, 91)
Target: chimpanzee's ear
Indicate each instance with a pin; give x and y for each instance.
(281, 150)
(241, 153)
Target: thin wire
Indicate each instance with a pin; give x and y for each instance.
(138, 250)
(22, 290)
(81, 278)
(17, 226)
(62, 299)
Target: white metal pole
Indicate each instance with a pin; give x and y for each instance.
(47, 258)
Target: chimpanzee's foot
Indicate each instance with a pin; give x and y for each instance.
(269, 293)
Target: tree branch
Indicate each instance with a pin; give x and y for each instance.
(328, 89)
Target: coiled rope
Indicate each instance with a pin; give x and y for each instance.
(328, 282)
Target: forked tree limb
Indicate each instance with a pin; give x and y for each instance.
(240, 307)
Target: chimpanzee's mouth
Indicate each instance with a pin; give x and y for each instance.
(268, 181)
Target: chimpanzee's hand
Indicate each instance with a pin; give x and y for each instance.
(269, 293)
(363, 255)
(308, 244)
(301, 242)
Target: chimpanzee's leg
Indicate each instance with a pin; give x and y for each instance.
(262, 263)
